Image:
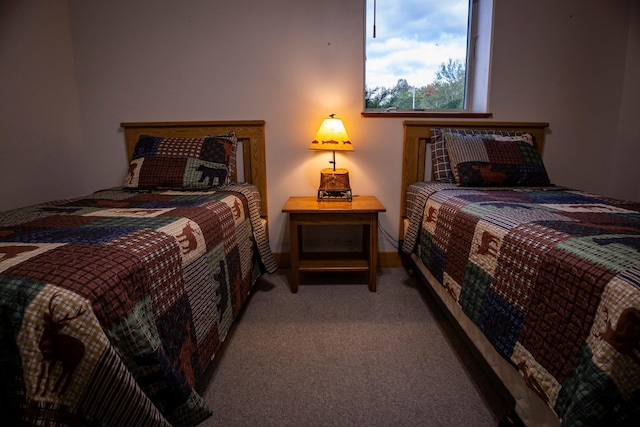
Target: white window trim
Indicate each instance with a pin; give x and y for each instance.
(478, 64)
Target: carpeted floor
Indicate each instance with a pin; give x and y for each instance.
(339, 355)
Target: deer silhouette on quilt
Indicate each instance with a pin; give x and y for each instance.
(58, 348)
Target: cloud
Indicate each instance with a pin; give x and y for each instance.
(413, 37)
(413, 60)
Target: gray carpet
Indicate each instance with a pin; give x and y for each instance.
(339, 355)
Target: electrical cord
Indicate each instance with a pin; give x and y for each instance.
(388, 236)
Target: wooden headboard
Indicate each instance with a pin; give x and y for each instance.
(250, 132)
(417, 136)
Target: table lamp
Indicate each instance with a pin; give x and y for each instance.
(334, 183)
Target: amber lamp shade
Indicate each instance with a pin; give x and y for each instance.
(332, 136)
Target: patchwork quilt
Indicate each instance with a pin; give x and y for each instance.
(113, 305)
(551, 277)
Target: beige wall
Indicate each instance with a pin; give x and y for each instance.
(41, 149)
(624, 175)
(564, 62)
(293, 63)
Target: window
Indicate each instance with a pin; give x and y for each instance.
(419, 55)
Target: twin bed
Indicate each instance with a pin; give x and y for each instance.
(114, 304)
(543, 280)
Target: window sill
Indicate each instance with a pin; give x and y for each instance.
(430, 114)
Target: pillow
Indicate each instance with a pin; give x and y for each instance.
(182, 163)
(440, 159)
(482, 161)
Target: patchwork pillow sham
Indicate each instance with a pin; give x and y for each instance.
(182, 163)
(440, 163)
(481, 161)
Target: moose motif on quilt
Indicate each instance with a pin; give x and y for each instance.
(58, 348)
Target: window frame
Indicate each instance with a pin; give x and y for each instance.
(471, 106)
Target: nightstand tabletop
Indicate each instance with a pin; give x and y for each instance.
(306, 204)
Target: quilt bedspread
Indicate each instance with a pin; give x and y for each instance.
(113, 305)
(552, 279)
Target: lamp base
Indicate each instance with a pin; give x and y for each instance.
(337, 196)
(334, 185)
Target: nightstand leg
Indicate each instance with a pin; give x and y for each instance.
(294, 253)
(373, 252)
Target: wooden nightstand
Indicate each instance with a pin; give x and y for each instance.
(362, 211)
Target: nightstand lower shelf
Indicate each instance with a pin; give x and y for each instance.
(317, 262)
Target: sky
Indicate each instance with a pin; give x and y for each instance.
(413, 37)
